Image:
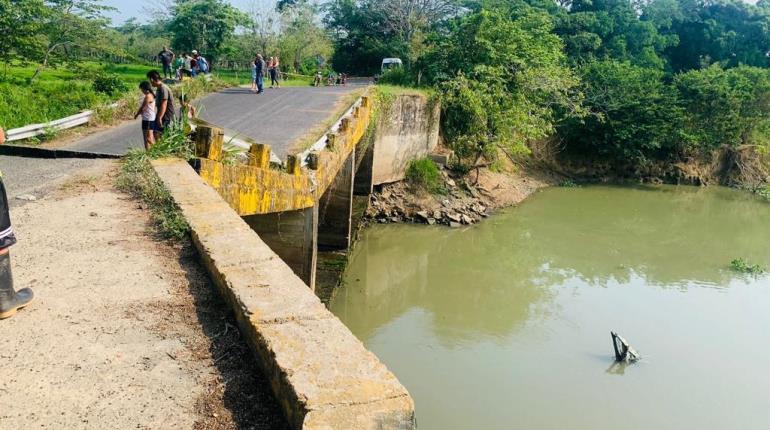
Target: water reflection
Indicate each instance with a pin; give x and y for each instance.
(499, 323)
(596, 236)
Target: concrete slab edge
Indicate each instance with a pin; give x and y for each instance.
(34, 152)
(322, 376)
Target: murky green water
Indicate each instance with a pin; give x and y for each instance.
(506, 325)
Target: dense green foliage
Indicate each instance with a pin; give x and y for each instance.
(633, 113)
(618, 81)
(741, 266)
(424, 174)
(22, 105)
(502, 78)
(203, 25)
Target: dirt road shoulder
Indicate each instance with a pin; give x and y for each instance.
(126, 332)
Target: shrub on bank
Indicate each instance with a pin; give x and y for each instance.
(424, 174)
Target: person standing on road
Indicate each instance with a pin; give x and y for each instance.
(148, 112)
(259, 64)
(254, 76)
(164, 103)
(273, 71)
(10, 299)
(166, 57)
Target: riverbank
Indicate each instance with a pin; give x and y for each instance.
(464, 199)
(126, 331)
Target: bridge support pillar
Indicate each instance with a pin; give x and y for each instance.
(336, 209)
(363, 185)
(293, 236)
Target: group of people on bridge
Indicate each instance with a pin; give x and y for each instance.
(186, 65)
(261, 68)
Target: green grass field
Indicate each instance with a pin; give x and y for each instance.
(62, 91)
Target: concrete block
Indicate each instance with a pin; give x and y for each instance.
(389, 414)
(271, 295)
(328, 369)
(323, 377)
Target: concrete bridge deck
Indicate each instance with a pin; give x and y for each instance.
(259, 229)
(278, 118)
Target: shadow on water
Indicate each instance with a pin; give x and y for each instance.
(241, 386)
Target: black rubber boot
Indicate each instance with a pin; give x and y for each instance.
(10, 300)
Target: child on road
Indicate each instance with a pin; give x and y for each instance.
(148, 112)
(186, 110)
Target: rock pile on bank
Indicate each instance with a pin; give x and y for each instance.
(460, 204)
(463, 200)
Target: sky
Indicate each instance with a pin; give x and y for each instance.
(136, 8)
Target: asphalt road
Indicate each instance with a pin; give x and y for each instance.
(277, 117)
(35, 176)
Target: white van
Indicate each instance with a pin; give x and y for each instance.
(391, 63)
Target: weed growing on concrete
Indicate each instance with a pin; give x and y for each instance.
(138, 178)
(424, 174)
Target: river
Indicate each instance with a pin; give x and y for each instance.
(506, 325)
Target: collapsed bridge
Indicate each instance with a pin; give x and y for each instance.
(259, 225)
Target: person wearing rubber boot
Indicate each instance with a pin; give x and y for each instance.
(10, 299)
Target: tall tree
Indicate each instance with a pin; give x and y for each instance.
(303, 41)
(204, 25)
(72, 24)
(264, 22)
(367, 30)
(21, 22)
(503, 79)
(728, 32)
(610, 29)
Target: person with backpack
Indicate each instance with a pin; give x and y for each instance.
(203, 64)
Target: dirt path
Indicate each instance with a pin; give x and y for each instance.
(126, 332)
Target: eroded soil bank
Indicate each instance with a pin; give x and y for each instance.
(126, 331)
